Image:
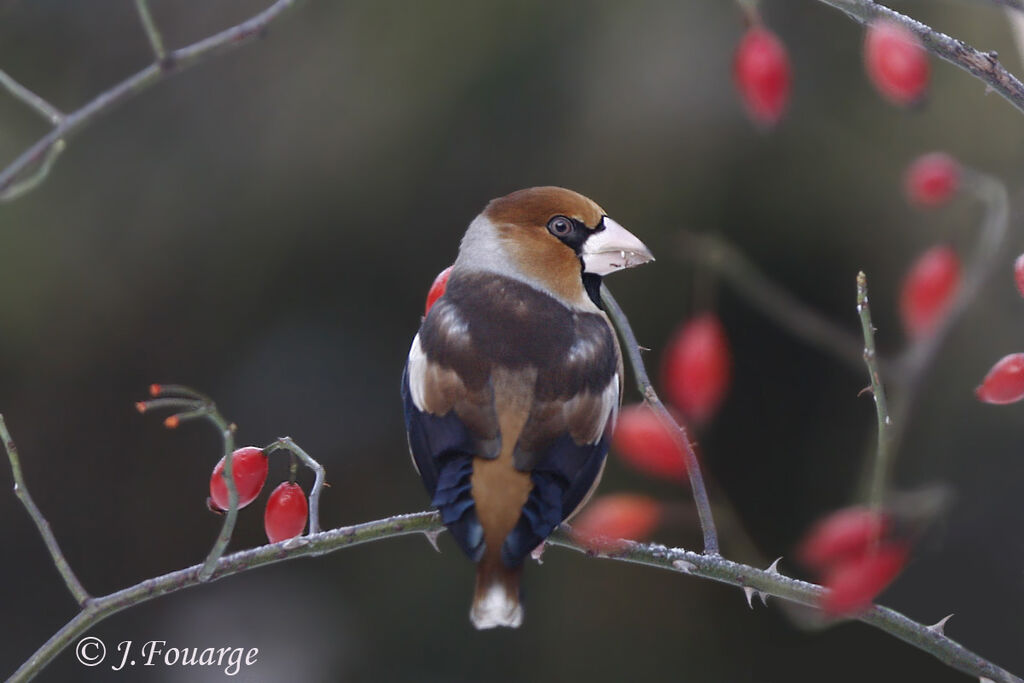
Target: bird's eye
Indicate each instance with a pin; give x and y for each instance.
(560, 226)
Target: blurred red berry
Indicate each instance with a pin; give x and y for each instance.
(248, 469)
(932, 179)
(286, 512)
(696, 368)
(1004, 383)
(437, 288)
(896, 62)
(608, 519)
(643, 442)
(852, 586)
(1018, 273)
(762, 74)
(857, 552)
(928, 289)
(843, 536)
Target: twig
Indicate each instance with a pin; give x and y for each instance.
(81, 596)
(713, 567)
(33, 181)
(984, 66)
(700, 494)
(41, 106)
(882, 466)
(769, 297)
(174, 62)
(156, 41)
(285, 443)
(193, 405)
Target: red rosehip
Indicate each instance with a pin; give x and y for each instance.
(858, 552)
(286, 512)
(1004, 383)
(843, 536)
(932, 179)
(852, 586)
(928, 289)
(248, 469)
(607, 520)
(437, 289)
(896, 62)
(1018, 273)
(696, 368)
(644, 442)
(762, 75)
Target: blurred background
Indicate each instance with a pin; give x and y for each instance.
(265, 226)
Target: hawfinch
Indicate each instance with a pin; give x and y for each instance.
(514, 381)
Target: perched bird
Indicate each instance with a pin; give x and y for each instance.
(513, 382)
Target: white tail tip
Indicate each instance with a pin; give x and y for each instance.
(496, 608)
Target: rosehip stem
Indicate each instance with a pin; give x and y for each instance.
(882, 462)
(81, 596)
(285, 443)
(632, 348)
(915, 362)
(227, 433)
(768, 296)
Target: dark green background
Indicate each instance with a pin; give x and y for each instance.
(265, 226)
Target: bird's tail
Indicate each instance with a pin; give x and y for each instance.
(496, 600)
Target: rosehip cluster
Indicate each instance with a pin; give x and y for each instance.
(286, 512)
(857, 552)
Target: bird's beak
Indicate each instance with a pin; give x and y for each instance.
(613, 248)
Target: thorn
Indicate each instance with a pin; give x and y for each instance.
(764, 597)
(865, 390)
(683, 566)
(432, 537)
(940, 625)
(155, 389)
(749, 592)
(774, 568)
(537, 552)
(295, 542)
(140, 406)
(171, 422)
(642, 348)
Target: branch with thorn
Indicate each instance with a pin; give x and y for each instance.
(708, 564)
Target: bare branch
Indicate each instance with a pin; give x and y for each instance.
(632, 347)
(156, 41)
(41, 106)
(21, 491)
(174, 62)
(984, 66)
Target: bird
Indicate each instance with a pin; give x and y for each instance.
(514, 381)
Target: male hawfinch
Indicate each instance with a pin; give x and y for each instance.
(514, 380)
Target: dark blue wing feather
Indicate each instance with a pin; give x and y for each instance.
(561, 479)
(443, 449)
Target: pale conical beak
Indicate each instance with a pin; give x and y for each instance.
(613, 248)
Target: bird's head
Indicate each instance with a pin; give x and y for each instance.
(553, 238)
